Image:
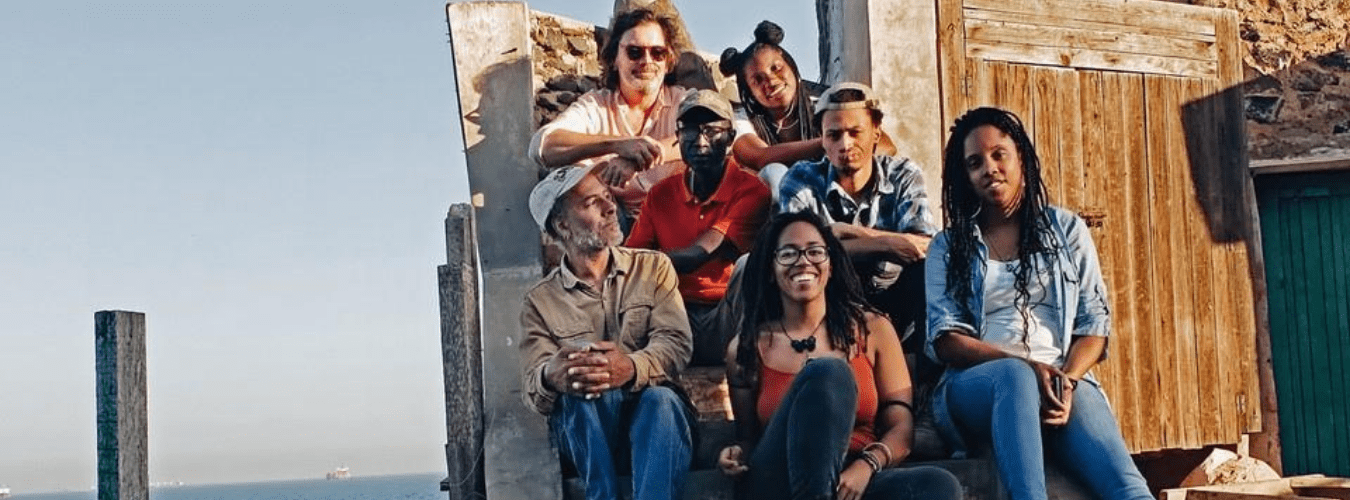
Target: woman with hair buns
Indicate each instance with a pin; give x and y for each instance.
(776, 101)
(819, 385)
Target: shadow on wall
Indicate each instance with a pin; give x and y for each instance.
(1216, 150)
(505, 126)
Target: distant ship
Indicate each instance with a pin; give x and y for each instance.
(338, 473)
(4, 492)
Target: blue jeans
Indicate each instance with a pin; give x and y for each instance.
(650, 428)
(999, 402)
(803, 449)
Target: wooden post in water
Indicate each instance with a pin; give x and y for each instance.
(123, 453)
(462, 356)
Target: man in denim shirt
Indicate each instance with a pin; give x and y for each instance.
(605, 337)
(875, 204)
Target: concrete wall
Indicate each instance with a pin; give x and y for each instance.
(493, 71)
(892, 46)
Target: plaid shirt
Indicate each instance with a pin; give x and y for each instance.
(894, 200)
(897, 201)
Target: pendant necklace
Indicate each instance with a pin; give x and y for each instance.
(802, 345)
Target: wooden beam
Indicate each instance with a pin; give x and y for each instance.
(1120, 41)
(951, 50)
(1300, 165)
(1145, 15)
(1088, 59)
(1079, 24)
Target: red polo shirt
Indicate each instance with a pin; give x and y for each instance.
(671, 219)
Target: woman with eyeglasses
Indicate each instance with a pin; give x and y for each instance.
(628, 127)
(1017, 312)
(778, 104)
(819, 386)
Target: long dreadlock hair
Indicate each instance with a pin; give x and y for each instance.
(845, 306)
(961, 209)
(769, 36)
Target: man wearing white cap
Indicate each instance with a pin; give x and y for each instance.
(605, 338)
(876, 205)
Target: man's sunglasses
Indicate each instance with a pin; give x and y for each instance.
(658, 53)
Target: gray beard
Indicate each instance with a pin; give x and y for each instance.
(586, 241)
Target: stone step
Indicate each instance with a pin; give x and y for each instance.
(979, 480)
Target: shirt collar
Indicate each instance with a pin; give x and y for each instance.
(619, 263)
(881, 172)
(720, 195)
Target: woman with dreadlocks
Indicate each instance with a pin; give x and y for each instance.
(818, 381)
(1017, 311)
(778, 104)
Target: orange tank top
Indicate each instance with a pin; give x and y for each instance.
(774, 384)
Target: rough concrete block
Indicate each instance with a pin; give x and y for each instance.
(494, 79)
(123, 437)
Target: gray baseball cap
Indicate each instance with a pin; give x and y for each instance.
(553, 186)
(706, 99)
(826, 101)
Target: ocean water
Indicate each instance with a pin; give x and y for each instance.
(402, 487)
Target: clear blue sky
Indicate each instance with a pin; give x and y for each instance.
(267, 182)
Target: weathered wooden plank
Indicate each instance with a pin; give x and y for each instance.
(1203, 160)
(1150, 15)
(1228, 48)
(980, 75)
(1227, 495)
(1162, 207)
(1254, 320)
(1088, 59)
(1248, 262)
(952, 63)
(1013, 89)
(1336, 493)
(1300, 165)
(1147, 358)
(1124, 40)
(1207, 111)
(1318, 481)
(1182, 192)
(1103, 120)
(1084, 25)
(1071, 123)
(1046, 120)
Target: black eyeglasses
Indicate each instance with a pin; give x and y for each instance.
(658, 53)
(707, 130)
(786, 256)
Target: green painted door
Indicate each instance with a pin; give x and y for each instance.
(1305, 230)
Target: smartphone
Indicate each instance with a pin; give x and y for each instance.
(1057, 386)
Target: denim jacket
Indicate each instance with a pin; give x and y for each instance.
(1079, 294)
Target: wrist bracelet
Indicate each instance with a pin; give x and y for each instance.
(885, 450)
(871, 462)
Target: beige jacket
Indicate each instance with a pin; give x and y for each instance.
(639, 309)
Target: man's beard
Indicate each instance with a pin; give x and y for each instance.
(588, 240)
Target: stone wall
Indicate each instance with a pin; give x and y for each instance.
(1297, 59)
(565, 63)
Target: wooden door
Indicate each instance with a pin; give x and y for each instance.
(1307, 247)
(1133, 110)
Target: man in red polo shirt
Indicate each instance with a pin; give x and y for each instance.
(704, 219)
